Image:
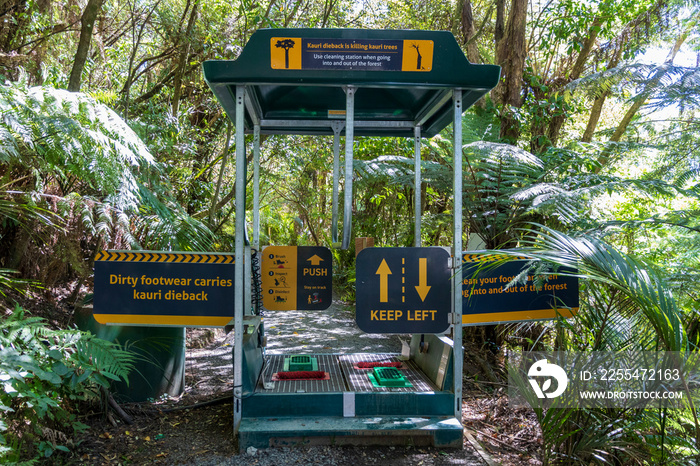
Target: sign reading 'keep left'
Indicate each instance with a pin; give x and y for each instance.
(164, 288)
(403, 290)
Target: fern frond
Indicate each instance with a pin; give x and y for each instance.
(105, 356)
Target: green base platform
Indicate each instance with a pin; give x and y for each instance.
(296, 431)
(346, 407)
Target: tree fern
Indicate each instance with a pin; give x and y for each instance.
(101, 178)
(679, 85)
(73, 135)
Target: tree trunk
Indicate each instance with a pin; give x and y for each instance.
(469, 31)
(597, 107)
(182, 60)
(510, 55)
(87, 24)
(622, 38)
(596, 111)
(500, 21)
(557, 122)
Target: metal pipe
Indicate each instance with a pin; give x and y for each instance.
(349, 136)
(457, 253)
(337, 127)
(417, 186)
(238, 294)
(256, 187)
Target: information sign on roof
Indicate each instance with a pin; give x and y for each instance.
(297, 80)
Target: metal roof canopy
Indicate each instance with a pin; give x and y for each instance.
(351, 82)
(307, 95)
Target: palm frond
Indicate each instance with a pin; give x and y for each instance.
(639, 281)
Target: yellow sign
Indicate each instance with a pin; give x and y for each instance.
(279, 278)
(422, 288)
(403, 290)
(296, 278)
(417, 55)
(164, 288)
(383, 271)
(177, 257)
(296, 53)
(487, 297)
(285, 53)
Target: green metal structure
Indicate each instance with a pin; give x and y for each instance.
(346, 82)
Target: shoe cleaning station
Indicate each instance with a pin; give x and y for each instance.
(342, 83)
(349, 83)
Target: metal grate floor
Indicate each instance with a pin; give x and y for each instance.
(326, 362)
(343, 375)
(359, 382)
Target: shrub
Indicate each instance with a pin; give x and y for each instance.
(44, 375)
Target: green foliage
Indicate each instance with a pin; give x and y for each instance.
(74, 169)
(44, 375)
(73, 163)
(626, 305)
(10, 281)
(75, 178)
(641, 283)
(72, 139)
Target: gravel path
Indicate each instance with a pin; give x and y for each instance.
(349, 456)
(330, 331)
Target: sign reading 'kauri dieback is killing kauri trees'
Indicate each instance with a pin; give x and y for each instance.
(297, 53)
(161, 288)
(486, 297)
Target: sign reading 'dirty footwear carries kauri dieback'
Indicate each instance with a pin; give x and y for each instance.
(164, 288)
(487, 298)
(403, 290)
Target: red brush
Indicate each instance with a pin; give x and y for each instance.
(369, 365)
(301, 375)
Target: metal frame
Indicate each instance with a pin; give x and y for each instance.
(239, 294)
(337, 127)
(349, 143)
(417, 183)
(256, 187)
(457, 253)
(264, 99)
(242, 252)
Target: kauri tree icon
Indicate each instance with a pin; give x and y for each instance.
(285, 44)
(420, 57)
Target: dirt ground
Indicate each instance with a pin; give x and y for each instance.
(196, 427)
(205, 436)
